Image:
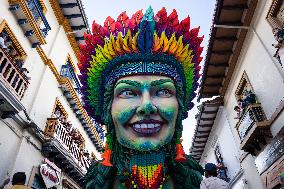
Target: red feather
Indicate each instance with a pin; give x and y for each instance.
(137, 16)
(122, 22)
(185, 25)
(161, 20)
(110, 24)
(199, 51)
(172, 23)
(135, 20)
(190, 37)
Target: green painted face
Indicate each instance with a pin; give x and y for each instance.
(144, 111)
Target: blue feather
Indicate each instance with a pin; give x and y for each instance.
(146, 30)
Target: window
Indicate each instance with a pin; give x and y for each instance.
(275, 15)
(251, 125)
(58, 110)
(69, 71)
(10, 45)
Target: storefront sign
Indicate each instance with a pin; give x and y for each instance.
(271, 153)
(50, 176)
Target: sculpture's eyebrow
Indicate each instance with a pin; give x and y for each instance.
(129, 82)
(160, 82)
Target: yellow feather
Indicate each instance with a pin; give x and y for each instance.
(157, 44)
(104, 53)
(125, 45)
(134, 43)
(183, 54)
(172, 44)
(108, 48)
(119, 43)
(180, 47)
(112, 40)
(165, 41)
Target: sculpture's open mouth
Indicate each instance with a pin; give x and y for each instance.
(147, 127)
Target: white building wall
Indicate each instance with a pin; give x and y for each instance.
(256, 59)
(39, 100)
(260, 67)
(222, 134)
(28, 157)
(33, 62)
(45, 99)
(9, 147)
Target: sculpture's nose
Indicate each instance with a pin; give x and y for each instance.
(147, 107)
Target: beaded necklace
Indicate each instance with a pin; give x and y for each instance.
(147, 170)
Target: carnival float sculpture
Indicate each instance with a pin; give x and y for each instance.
(139, 76)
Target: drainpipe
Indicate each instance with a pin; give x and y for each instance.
(250, 28)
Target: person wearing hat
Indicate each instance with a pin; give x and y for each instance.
(139, 75)
(19, 180)
(212, 181)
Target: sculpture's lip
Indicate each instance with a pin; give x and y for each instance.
(147, 127)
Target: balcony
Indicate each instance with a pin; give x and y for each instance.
(64, 150)
(32, 20)
(13, 85)
(70, 87)
(12, 76)
(253, 128)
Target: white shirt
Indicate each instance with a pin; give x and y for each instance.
(2, 43)
(213, 183)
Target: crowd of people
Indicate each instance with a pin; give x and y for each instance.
(243, 102)
(211, 180)
(77, 138)
(279, 36)
(74, 133)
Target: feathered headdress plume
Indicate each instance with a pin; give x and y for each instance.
(142, 38)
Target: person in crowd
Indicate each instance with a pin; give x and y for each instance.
(238, 110)
(19, 180)
(2, 42)
(212, 181)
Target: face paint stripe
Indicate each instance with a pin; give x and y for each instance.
(129, 82)
(160, 81)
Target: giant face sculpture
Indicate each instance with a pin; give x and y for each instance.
(139, 77)
(144, 111)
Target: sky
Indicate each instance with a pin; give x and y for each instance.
(200, 12)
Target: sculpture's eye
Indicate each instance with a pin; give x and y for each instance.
(164, 93)
(127, 94)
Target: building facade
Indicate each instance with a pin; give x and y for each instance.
(241, 128)
(44, 128)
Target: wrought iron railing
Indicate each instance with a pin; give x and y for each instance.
(54, 128)
(68, 72)
(12, 75)
(253, 113)
(38, 15)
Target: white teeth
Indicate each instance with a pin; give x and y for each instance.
(144, 126)
(137, 126)
(147, 128)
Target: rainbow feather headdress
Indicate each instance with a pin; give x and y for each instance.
(143, 44)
